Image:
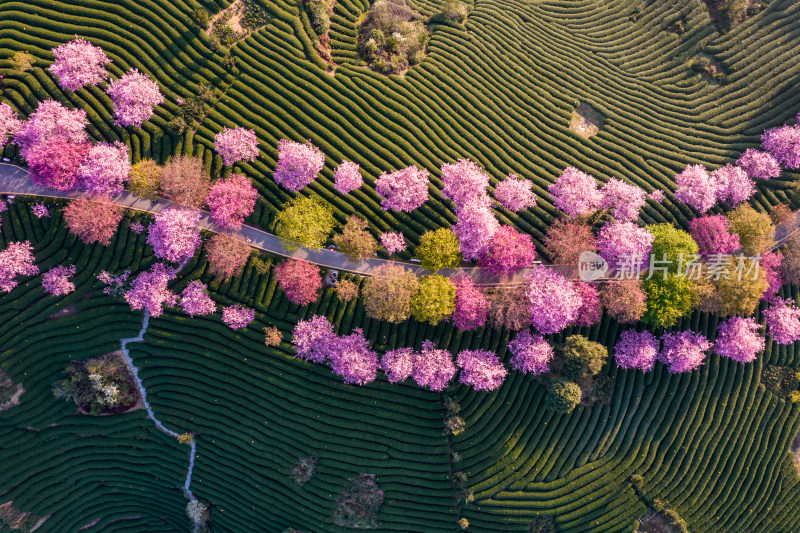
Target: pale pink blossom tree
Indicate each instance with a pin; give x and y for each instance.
(433, 368)
(403, 190)
(79, 63)
(624, 200)
(732, 185)
(507, 252)
(237, 316)
(134, 96)
(784, 145)
(783, 321)
(740, 339)
(51, 119)
(656, 196)
(515, 194)
(314, 339)
(398, 364)
(463, 181)
(695, 187)
(471, 308)
(236, 144)
(759, 165)
(105, 169)
(174, 234)
(150, 290)
(481, 369)
(475, 227)
(353, 359)
(683, 351)
(636, 349)
(554, 301)
(298, 164)
(531, 353)
(624, 243)
(299, 280)
(347, 177)
(9, 123)
(231, 200)
(576, 192)
(393, 242)
(195, 300)
(16, 260)
(56, 280)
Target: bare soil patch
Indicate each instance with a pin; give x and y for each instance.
(10, 392)
(586, 121)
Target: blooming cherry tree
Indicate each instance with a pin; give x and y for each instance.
(531, 353)
(636, 349)
(314, 339)
(51, 119)
(624, 243)
(9, 123)
(353, 359)
(299, 280)
(783, 144)
(79, 63)
(236, 144)
(480, 369)
(554, 301)
(393, 242)
(740, 339)
(783, 321)
(105, 169)
(773, 272)
(298, 164)
(398, 364)
(463, 181)
(696, 188)
(471, 307)
(93, 220)
(56, 162)
(195, 300)
(732, 185)
(713, 236)
(134, 96)
(403, 190)
(231, 200)
(227, 255)
(347, 177)
(683, 351)
(433, 367)
(576, 193)
(475, 227)
(56, 280)
(623, 200)
(591, 310)
(237, 316)
(507, 252)
(656, 196)
(515, 194)
(40, 210)
(759, 165)
(150, 290)
(174, 235)
(136, 227)
(16, 260)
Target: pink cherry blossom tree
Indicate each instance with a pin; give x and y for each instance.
(759, 165)
(624, 243)
(79, 63)
(195, 300)
(398, 364)
(575, 193)
(105, 169)
(695, 187)
(403, 190)
(554, 301)
(9, 123)
(773, 272)
(231, 200)
(393, 242)
(531, 353)
(624, 200)
(227, 255)
(314, 339)
(51, 119)
(515, 194)
(433, 368)
(784, 145)
(591, 310)
(150, 290)
(299, 280)
(237, 316)
(740, 339)
(475, 227)
(683, 351)
(463, 181)
(783, 321)
(347, 177)
(471, 308)
(56, 162)
(656, 196)
(93, 219)
(507, 252)
(732, 185)
(353, 359)
(40, 210)
(481, 369)
(134, 96)
(298, 164)
(174, 234)
(713, 236)
(236, 144)
(56, 280)
(16, 260)
(636, 349)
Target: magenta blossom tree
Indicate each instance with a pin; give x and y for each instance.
(713, 236)
(174, 235)
(695, 188)
(481, 369)
(471, 308)
(40, 210)
(773, 272)
(16, 260)
(591, 310)
(683, 351)
(507, 252)
(398, 364)
(79, 63)
(299, 280)
(195, 300)
(105, 169)
(237, 316)
(740, 339)
(783, 321)
(433, 368)
(56, 163)
(134, 96)
(236, 144)
(623, 200)
(759, 165)
(554, 301)
(298, 164)
(347, 177)
(150, 290)
(56, 280)
(623, 244)
(314, 339)
(784, 145)
(231, 200)
(636, 349)
(51, 119)
(515, 194)
(393, 242)
(531, 353)
(403, 190)
(463, 181)
(576, 193)
(475, 227)
(353, 359)
(733, 185)
(9, 123)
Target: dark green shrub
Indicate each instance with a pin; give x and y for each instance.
(562, 395)
(319, 13)
(201, 17)
(583, 357)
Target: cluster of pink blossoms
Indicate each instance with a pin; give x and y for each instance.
(636, 349)
(783, 321)
(353, 359)
(554, 301)
(9, 123)
(16, 260)
(136, 227)
(40, 210)
(507, 252)
(759, 165)
(56, 163)
(575, 192)
(56, 280)
(150, 290)
(695, 187)
(771, 265)
(237, 316)
(591, 310)
(733, 185)
(656, 196)
(713, 236)
(105, 169)
(231, 200)
(51, 119)
(174, 235)
(134, 96)
(314, 339)
(196, 301)
(403, 190)
(433, 368)
(347, 177)
(398, 364)
(463, 181)
(475, 227)
(298, 164)
(114, 284)
(740, 339)
(623, 244)
(393, 242)
(515, 194)
(79, 63)
(683, 351)
(236, 144)
(784, 145)
(471, 308)
(299, 280)
(481, 369)
(623, 200)
(531, 353)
